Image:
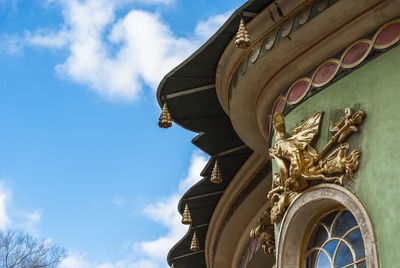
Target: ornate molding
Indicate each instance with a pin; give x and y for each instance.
(331, 69)
(271, 38)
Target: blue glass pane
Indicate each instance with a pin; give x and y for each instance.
(323, 261)
(328, 219)
(318, 237)
(356, 241)
(331, 247)
(343, 256)
(345, 222)
(362, 265)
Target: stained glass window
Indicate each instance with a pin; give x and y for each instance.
(335, 242)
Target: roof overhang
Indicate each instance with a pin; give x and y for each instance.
(190, 93)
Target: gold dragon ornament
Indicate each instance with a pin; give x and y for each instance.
(299, 163)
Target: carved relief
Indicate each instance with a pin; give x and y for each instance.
(299, 163)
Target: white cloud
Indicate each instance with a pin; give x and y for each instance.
(197, 163)
(166, 213)
(205, 29)
(147, 48)
(118, 201)
(152, 254)
(156, 1)
(11, 44)
(31, 221)
(115, 57)
(75, 260)
(12, 3)
(47, 39)
(5, 196)
(11, 217)
(150, 51)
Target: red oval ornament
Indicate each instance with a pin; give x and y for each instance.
(325, 73)
(388, 35)
(356, 54)
(279, 105)
(297, 91)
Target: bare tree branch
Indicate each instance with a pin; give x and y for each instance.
(20, 250)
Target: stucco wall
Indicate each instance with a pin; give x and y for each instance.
(375, 89)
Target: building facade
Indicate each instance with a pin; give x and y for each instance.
(296, 103)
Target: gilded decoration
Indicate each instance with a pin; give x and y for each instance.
(186, 217)
(264, 233)
(299, 163)
(216, 174)
(165, 120)
(194, 245)
(242, 37)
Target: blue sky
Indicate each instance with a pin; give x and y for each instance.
(82, 160)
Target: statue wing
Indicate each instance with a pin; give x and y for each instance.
(304, 133)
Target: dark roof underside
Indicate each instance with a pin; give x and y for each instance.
(199, 110)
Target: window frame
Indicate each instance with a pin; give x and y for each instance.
(305, 207)
(316, 221)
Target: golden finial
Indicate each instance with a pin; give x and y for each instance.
(194, 246)
(186, 217)
(165, 118)
(242, 36)
(172, 266)
(216, 174)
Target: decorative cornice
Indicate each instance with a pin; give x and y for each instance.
(317, 42)
(271, 38)
(330, 70)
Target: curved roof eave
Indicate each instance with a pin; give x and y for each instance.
(189, 90)
(199, 69)
(229, 28)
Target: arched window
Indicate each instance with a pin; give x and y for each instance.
(335, 241)
(326, 226)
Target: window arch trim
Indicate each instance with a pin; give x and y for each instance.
(305, 207)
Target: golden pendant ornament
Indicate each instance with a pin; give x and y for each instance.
(186, 217)
(299, 163)
(216, 174)
(165, 120)
(194, 246)
(242, 36)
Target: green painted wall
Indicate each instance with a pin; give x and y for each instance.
(375, 89)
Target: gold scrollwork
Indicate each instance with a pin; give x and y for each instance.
(264, 233)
